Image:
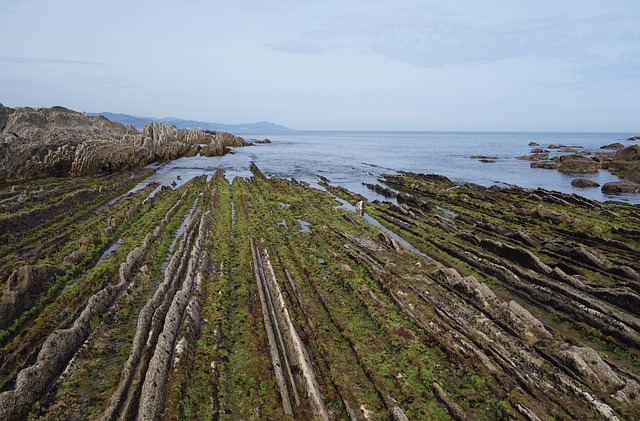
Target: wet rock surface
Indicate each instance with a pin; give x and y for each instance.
(621, 187)
(524, 304)
(620, 160)
(584, 183)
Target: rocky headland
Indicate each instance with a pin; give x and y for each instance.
(60, 142)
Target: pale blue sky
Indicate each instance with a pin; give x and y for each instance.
(375, 65)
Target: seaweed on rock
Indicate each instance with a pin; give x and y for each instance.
(516, 293)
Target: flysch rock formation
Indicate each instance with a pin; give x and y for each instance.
(215, 304)
(60, 142)
(213, 301)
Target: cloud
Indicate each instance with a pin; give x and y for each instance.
(624, 69)
(426, 37)
(298, 47)
(33, 60)
(110, 82)
(18, 83)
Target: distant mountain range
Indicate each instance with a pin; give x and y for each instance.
(139, 122)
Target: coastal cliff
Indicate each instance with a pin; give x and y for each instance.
(60, 142)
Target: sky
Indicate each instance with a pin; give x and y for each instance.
(461, 65)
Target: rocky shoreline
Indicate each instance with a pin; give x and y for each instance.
(264, 298)
(620, 160)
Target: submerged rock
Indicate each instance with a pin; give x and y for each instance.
(584, 183)
(615, 187)
(534, 157)
(548, 165)
(616, 146)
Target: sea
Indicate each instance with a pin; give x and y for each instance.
(351, 158)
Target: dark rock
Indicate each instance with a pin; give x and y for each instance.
(388, 193)
(627, 231)
(626, 163)
(615, 187)
(484, 157)
(455, 411)
(630, 153)
(578, 164)
(541, 212)
(411, 200)
(584, 183)
(524, 238)
(578, 252)
(534, 144)
(616, 146)
(603, 156)
(534, 157)
(518, 255)
(4, 114)
(548, 165)
(539, 150)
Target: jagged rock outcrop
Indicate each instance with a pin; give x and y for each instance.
(38, 141)
(22, 289)
(60, 142)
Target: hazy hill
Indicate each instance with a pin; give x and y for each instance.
(139, 122)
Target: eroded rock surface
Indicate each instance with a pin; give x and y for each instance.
(59, 142)
(23, 288)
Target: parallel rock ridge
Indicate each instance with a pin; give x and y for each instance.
(59, 142)
(215, 303)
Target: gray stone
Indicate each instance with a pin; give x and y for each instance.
(584, 183)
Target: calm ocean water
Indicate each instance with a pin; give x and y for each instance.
(351, 158)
